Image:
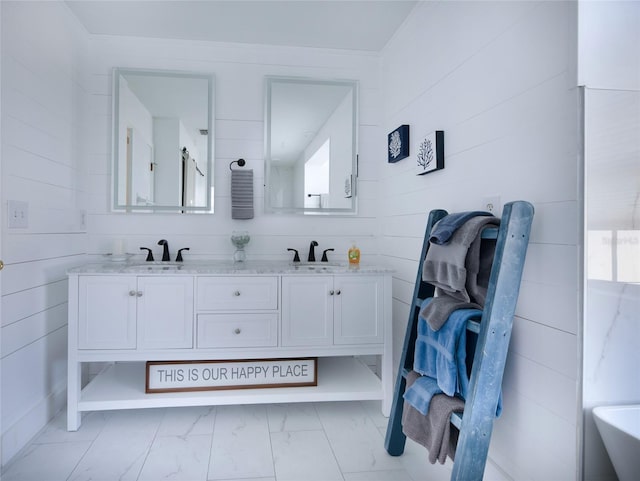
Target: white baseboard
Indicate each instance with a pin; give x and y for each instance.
(17, 436)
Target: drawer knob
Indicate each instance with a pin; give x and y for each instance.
(132, 293)
(338, 292)
(139, 294)
(331, 292)
(236, 293)
(237, 330)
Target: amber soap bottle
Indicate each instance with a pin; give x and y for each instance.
(354, 255)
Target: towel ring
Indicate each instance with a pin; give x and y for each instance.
(240, 163)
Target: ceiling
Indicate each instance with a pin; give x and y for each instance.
(365, 25)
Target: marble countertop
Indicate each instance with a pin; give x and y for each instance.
(203, 267)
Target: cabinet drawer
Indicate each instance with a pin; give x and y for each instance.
(237, 293)
(237, 330)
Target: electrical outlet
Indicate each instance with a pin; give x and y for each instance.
(18, 214)
(492, 204)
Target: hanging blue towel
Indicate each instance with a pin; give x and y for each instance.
(420, 392)
(442, 354)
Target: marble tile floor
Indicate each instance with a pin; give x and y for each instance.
(341, 441)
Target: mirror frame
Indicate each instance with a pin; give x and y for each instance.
(269, 82)
(124, 208)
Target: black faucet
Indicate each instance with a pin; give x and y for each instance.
(324, 255)
(296, 257)
(179, 256)
(312, 254)
(165, 252)
(149, 253)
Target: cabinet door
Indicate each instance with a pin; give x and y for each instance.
(307, 310)
(358, 310)
(165, 312)
(107, 312)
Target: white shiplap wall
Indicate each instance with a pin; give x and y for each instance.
(43, 48)
(500, 79)
(239, 72)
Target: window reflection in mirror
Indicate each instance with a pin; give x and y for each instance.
(316, 177)
(310, 145)
(162, 147)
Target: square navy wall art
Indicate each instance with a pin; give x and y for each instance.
(431, 153)
(398, 144)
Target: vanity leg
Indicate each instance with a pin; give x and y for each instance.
(387, 386)
(74, 417)
(74, 368)
(386, 375)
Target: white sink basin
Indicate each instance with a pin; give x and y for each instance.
(315, 266)
(158, 266)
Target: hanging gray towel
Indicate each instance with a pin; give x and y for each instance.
(242, 194)
(433, 431)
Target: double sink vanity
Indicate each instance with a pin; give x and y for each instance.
(125, 314)
(131, 315)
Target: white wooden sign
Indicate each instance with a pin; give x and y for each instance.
(177, 376)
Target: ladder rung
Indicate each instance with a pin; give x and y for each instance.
(473, 326)
(456, 419)
(417, 302)
(489, 233)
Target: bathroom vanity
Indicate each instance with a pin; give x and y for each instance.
(125, 314)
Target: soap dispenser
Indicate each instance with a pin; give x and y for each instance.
(354, 255)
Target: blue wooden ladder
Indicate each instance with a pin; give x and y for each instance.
(493, 335)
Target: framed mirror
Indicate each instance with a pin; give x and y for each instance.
(311, 141)
(162, 141)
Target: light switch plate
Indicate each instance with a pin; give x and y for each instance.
(18, 214)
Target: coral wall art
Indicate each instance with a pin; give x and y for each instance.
(398, 144)
(430, 154)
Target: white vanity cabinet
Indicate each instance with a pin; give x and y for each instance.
(129, 312)
(332, 310)
(122, 315)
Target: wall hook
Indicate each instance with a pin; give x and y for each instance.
(240, 163)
